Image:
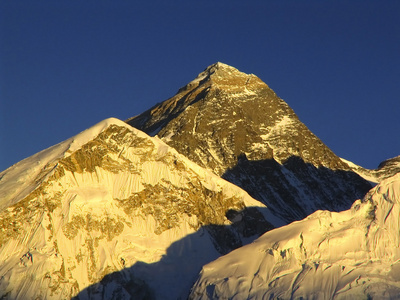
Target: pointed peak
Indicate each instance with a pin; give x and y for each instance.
(222, 74)
(219, 66)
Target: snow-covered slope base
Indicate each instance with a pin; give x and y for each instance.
(353, 254)
(113, 212)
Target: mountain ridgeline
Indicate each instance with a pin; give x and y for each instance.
(233, 124)
(138, 209)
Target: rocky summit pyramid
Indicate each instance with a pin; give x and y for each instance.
(115, 214)
(233, 124)
(353, 254)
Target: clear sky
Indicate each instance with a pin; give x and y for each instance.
(66, 65)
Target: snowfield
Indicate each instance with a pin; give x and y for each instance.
(353, 254)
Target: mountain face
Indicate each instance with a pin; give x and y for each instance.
(233, 124)
(114, 214)
(353, 254)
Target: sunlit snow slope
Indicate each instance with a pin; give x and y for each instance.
(353, 254)
(113, 212)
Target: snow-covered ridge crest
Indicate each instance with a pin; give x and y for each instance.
(386, 169)
(22, 178)
(16, 181)
(351, 254)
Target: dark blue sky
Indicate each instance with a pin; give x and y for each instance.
(66, 65)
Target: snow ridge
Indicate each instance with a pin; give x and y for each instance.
(344, 255)
(19, 180)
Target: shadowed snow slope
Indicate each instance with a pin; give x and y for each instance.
(107, 199)
(353, 254)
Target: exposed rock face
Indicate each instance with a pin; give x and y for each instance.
(235, 125)
(105, 206)
(348, 255)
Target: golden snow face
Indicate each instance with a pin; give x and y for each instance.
(119, 189)
(117, 150)
(106, 152)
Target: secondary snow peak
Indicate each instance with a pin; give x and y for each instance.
(109, 198)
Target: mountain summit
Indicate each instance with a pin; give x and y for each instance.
(233, 124)
(260, 123)
(218, 74)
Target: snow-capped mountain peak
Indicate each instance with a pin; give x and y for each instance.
(233, 124)
(114, 200)
(23, 177)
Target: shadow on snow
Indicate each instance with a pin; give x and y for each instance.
(295, 189)
(173, 275)
(291, 191)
